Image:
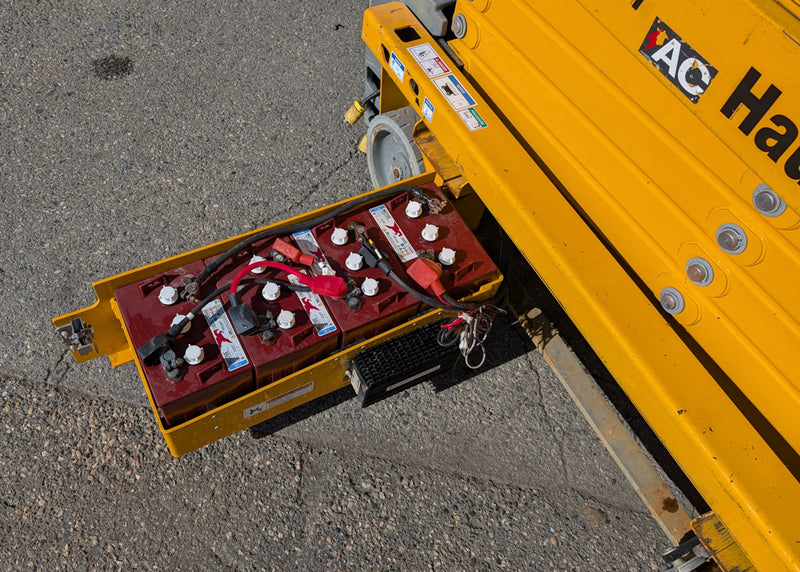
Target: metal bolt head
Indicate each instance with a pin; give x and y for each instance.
(731, 238)
(671, 300)
(459, 25)
(699, 271)
(767, 201)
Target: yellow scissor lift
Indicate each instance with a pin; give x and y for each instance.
(644, 159)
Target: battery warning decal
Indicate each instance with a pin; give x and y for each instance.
(309, 245)
(316, 310)
(279, 400)
(229, 345)
(429, 60)
(393, 233)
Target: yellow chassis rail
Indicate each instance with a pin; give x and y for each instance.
(739, 474)
(314, 381)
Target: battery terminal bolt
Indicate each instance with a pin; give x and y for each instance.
(339, 237)
(430, 232)
(194, 355)
(286, 320)
(168, 295)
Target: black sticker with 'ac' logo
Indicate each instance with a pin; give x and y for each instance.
(677, 61)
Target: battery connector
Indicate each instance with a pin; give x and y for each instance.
(427, 274)
(244, 320)
(292, 253)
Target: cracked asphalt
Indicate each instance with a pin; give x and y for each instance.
(224, 117)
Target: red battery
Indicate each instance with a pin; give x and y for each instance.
(218, 378)
(313, 335)
(400, 236)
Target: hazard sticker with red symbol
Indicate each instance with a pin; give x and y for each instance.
(221, 328)
(393, 233)
(315, 308)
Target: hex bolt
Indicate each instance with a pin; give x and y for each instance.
(767, 201)
(671, 300)
(459, 25)
(168, 295)
(699, 271)
(339, 236)
(261, 269)
(731, 238)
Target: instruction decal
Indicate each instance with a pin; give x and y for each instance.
(427, 110)
(455, 94)
(398, 67)
(230, 348)
(472, 119)
(429, 60)
(309, 245)
(278, 400)
(316, 310)
(393, 233)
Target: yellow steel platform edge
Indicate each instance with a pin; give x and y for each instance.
(729, 462)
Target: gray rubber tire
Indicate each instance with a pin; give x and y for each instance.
(392, 154)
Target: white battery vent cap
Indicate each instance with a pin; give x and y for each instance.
(413, 209)
(168, 295)
(286, 320)
(194, 355)
(430, 232)
(339, 236)
(447, 256)
(369, 287)
(178, 318)
(271, 291)
(261, 269)
(355, 261)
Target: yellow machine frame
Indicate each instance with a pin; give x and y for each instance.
(608, 183)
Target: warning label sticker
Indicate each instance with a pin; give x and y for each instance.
(278, 400)
(393, 233)
(430, 61)
(472, 119)
(427, 109)
(308, 245)
(397, 67)
(455, 93)
(229, 345)
(316, 310)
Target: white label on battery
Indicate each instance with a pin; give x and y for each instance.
(427, 110)
(229, 345)
(472, 119)
(309, 245)
(280, 399)
(429, 60)
(316, 310)
(454, 92)
(397, 67)
(393, 233)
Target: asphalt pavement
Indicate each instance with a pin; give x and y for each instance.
(133, 131)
